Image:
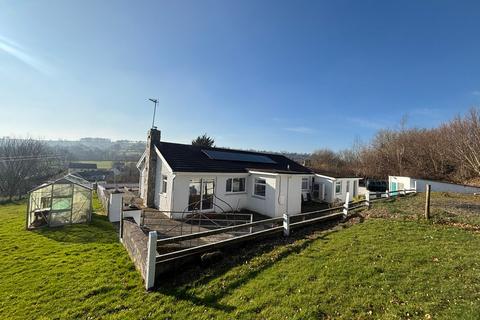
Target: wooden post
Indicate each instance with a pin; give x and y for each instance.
(367, 199)
(286, 225)
(345, 205)
(151, 260)
(427, 201)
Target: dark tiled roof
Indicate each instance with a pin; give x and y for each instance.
(336, 175)
(188, 158)
(81, 165)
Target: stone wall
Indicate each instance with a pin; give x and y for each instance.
(135, 240)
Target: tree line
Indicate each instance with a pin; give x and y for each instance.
(24, 164)
(449, 152)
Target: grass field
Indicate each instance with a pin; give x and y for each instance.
(107, 164)
(378, 269)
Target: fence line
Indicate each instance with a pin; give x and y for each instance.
(215, 231)
(285, 227)
(216, 245)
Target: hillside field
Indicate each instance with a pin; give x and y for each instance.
(382, 268)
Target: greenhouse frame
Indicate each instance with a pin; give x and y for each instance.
(64, 201)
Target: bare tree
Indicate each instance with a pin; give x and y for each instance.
(464, 134)
(25, 163)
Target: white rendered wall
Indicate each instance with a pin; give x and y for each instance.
(135, 214)
(407, 183)
(142, 181)
(289, 193)
(330, 194)
(115, 207)
(328, 183)
(181, 184)
(264, 205)
(436, 185)
(162, 199)
(343, 195)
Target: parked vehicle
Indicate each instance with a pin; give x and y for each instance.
(376, 185)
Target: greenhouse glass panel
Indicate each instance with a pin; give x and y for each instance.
(81, 204)
(60, 218)
(62, 204)
(62, 190)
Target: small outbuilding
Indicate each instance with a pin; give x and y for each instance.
(396, 183)
(332, 188)
(64, 201)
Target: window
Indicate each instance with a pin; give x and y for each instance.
(164, 184)
(200, 196)
(235, 185)
(259, 187)
(304, 183)
(338, 187)
(348, 186)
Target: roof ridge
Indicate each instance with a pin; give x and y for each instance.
(227, 149)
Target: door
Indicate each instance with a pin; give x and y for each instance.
(208, 188)
(393, 187)
(201, 194)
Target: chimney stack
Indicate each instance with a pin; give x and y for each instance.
(151, 166)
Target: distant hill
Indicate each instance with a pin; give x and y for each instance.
(102, 149)
(99, 149)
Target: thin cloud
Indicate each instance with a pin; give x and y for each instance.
(15, 50)
(305, 130)
(476, 93)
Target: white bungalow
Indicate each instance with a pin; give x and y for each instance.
(179, 178)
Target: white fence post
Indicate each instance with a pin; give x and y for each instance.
(367, 199)
(345, 205)
(151, 260)
(120, 232)
(286, 224)
(387, 193)
(251, 220)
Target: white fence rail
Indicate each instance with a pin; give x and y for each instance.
(272, 226)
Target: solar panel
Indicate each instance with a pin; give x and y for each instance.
(237, 156)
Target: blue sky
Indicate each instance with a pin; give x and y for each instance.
(270, 75)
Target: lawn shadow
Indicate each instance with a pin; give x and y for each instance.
(198, 275)
(99, 230)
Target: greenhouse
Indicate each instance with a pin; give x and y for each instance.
(67, 200)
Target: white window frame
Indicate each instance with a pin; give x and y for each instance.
(308, 184)
(231, 185)
(340, 184)
(258, 181)
(164, 184)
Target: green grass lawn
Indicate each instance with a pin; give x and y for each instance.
(446, 208)
(378, 269)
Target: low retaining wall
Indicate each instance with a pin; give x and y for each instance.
(135, 240)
